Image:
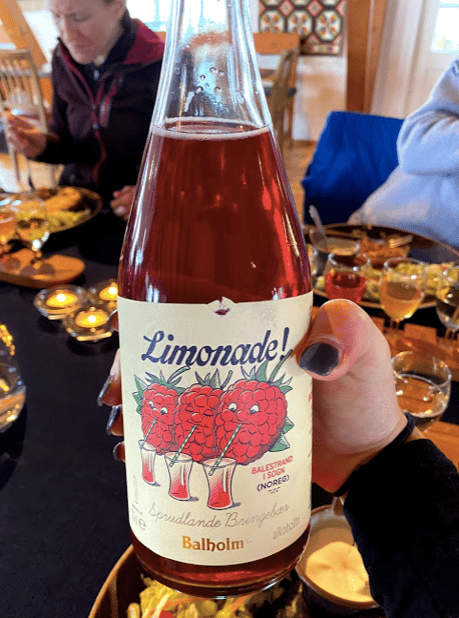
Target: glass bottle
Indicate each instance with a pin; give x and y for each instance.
(214, 300)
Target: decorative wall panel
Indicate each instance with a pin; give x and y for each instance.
(320, 23)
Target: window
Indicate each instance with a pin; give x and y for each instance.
(154, 13)
(446, 35)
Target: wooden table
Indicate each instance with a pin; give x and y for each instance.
(446, 437)
(419, 338)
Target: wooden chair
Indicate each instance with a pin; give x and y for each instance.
(276, 43)
(21, 93)
(280, 95)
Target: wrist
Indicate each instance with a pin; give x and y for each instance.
(409, 433)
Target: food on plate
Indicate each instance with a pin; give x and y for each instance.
(66, 198)
(380, 250)
(66, 218)
(66, 207)
(159, 601)
(338, 569)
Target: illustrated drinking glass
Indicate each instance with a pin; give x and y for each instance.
(148, 457)
(447, 302)
(179, 467)
(32, 226)
(423, 385)
(401, 289)
(346, 276)
(219, 474)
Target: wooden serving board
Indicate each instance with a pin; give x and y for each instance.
(17, 270)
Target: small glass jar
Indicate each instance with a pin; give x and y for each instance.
(12, 389)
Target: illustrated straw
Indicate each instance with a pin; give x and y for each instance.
(222, 454)
(148, 433)
(177, 454)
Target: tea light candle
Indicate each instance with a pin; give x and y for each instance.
(62, 299)
(58, 301)
(91, 318)
(109, 293)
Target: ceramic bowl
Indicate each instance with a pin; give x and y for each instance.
(328, 525)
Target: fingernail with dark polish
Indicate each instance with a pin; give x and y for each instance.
(118, 451)
(320, 358)
(104, 390)
(114, 414)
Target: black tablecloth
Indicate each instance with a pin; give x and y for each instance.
(63, 513)
(62, 495)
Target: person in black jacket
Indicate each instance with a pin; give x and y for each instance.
(400, 493)
(105, 73)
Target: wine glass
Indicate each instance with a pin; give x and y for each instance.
(401, 289)
(447, 302)
(423, 385)
(32, 227)
(7, 227)
(345, 276)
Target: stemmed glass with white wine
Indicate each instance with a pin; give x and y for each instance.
(7, 227)
(32, 228)
(447, 303)
(401, 289)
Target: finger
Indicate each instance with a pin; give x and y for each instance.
(342, 335)
(115, 421)
(113, 319)
(110, 393)
(17, 125)
(126, 190)
(118, 452)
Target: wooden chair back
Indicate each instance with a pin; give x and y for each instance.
(280, 97)
(21, 93)
(274, 43)
(20, 85)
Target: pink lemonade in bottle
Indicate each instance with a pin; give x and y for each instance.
(219, 200)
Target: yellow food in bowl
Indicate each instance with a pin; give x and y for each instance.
(338, 569)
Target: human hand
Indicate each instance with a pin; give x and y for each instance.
(24, 135)
(122, 201)
(355, 409)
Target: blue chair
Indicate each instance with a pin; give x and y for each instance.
(354, 156)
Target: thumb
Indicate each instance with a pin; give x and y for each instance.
(342, 335)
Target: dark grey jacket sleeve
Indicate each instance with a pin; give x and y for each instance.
(403, 507)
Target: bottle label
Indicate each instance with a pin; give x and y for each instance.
(217, 423)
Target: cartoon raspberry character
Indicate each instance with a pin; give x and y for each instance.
(156, 403)
(252, 416)
(195, 417)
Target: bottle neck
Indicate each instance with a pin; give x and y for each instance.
(210, 66)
